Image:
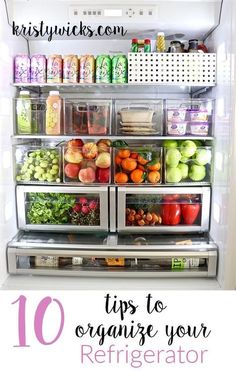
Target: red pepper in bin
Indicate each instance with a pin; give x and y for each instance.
(171, 214)
(190, 212)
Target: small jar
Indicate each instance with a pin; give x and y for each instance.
(193, 46)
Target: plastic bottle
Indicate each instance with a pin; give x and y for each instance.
(134, 46)
(53, 113)
(160, 42)
(54, 261)
(23, 113)
(147, 46)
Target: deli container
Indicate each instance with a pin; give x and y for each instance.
(138, 165)
(189, 117)
(87, 163)
(169, 210)
(87, 117)
(139, 117)
(37, 164)
(61, 209)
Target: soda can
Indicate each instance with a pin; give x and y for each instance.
(103, 69)
(119, 69)
(21, 68)
(38, 68)
(70, 69)
(54, 69)
(87, 69)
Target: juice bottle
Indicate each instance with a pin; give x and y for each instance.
(53, 113)
(23, 113)
(160, 42)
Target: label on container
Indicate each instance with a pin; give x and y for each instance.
(77, 260)
(46, 261)
(115, 262)
(182, 263)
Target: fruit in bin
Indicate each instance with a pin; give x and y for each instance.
(77, 208)
(85, 209)
(72, 170)
(190, 212)
(118, 160)
(88, 163)
(170, 144)
(202, 156)
(121, 178)
(124, 153)
(103, 175)
(173, 175)
(103, 160)
(83, 200)
(73, 155)
(154, 177)
(89, 150)
(134, 155)
(184, 160)
(141, 167)
(108, 142)
(154, 167)
(141, 160)
(75, 143)
(197, 173)
(137, 176)
(188, 148)
(87, 175)
(129, 164)
(173, 157)
(93, 205)
(171, 213)
(104, 145)
(184, 170)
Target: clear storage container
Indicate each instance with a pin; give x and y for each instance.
(139, 117)
(37, 164)
(138, 165)
(189, 117)
(31, 114)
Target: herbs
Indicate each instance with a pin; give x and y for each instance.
(49, 208)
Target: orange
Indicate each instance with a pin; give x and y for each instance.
(134, 155)
(141, 167)
(121, 178)
(137, 176)
(118, 160)
(128, 164)
(154, 177)
(142, 160)
(124, 153)
(156, 166)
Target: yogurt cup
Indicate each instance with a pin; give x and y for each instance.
(198, 115)
(176, 128)
(175, 115)
(199, 128)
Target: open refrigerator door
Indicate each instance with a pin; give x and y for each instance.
(123, 168)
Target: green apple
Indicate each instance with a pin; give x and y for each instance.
(184, 170)
(202, 156)
(173, 175)
(170, 144)
(197, 173)
(184, 160)
(188, 148)
(173, 156)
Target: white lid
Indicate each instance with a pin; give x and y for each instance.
(54, 92)
(161, 34)
(24, 92)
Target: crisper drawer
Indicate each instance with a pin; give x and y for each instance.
(62, 209)
(164, 210)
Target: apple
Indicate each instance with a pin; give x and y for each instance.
(188, 148)
(184, 170)
(184, 160)
(103, 175)
(75, 143)
(103, 160)
(87, 175)
(72, 170)
(202, 156)
(73, 155)
(170, 144)
(173, 157)
(197, 173)
(173, 175)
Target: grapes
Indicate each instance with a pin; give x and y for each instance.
(40, 165)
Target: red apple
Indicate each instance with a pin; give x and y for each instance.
(103, 175)
(72, 170)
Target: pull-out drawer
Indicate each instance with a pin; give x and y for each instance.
(164, 210)
(62, 209)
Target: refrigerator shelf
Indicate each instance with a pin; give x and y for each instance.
(79, 184)
(113, 137)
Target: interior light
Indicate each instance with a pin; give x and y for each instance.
(112, 12)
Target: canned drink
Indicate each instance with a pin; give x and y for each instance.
(70, 69)
(38, 68)
(87, 69)
(21, 68)
(103, 69)
(119, 69)
(54, 69)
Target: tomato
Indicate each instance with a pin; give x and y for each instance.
(190, 212)
(171, 214)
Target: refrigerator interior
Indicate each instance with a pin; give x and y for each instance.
(219, 40)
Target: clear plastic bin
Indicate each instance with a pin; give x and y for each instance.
(139, 117)
(30, 116)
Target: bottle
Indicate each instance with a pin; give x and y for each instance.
(140, 46)
(147, 46)
(54, 261)
(193, 46)
(134, 46)
(53, 113)
(175, 263)
(160, 42)
(23, 113)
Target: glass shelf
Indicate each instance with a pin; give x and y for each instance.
(112, 137)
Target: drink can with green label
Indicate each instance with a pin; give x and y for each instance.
(119, 69)
(103, 69)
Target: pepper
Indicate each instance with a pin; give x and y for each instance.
(190, 212)
(171, 214)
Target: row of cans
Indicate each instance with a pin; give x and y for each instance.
(70, 69)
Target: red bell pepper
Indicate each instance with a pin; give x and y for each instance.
(171, 214)
(190, 212)
(170, 197)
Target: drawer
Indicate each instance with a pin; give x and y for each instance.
(62, 209)
(163, 210)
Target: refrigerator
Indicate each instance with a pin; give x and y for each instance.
(117, 249)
